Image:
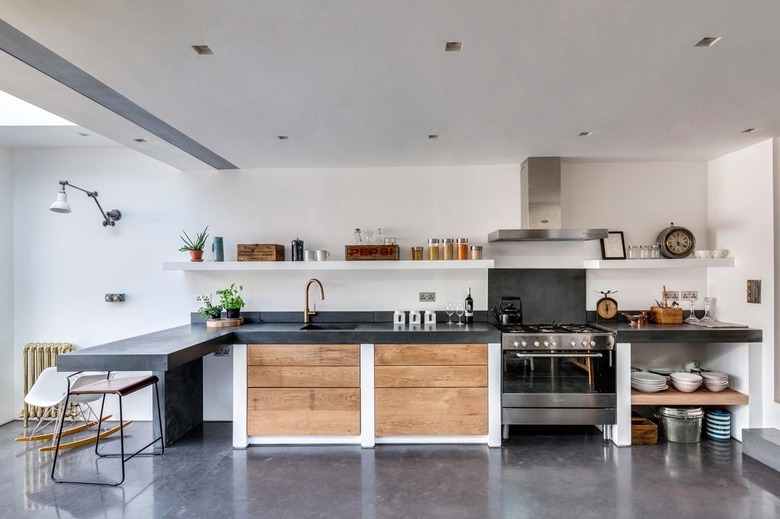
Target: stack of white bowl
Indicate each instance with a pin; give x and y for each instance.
(715, 381)
(648, 382)
(686, 382)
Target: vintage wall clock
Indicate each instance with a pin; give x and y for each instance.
(676, 242)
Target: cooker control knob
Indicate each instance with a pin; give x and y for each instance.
(546, 344)
(573, 344)
(554, 344)
(536, 344)
(592, 343)
(523, 344)
(584, 343)
(515, 344)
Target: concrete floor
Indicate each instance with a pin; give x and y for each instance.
(539, 474)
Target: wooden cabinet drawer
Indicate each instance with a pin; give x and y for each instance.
(303, 355)
(431, 411)
(322, 411)
(430, 376)
(430, 354)
(303, 376)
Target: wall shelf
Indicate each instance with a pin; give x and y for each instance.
(327, 265)
(701, 396)
(658, 263)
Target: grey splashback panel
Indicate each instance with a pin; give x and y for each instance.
(548, 294)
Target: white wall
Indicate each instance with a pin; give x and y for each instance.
(740, 193)
(8, 408)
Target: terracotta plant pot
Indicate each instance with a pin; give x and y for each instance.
(196, 255)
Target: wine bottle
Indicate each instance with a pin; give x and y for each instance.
(469, 308)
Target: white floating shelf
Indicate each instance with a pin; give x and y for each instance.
(328, 265)
(658, 263)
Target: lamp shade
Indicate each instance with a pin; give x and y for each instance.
(61, 204)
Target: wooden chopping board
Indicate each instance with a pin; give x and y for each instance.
(223, 323)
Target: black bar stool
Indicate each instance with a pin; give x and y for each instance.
(120, 387)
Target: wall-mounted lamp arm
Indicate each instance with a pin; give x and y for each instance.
(110, 218)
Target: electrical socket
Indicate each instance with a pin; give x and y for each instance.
(672, 295)
(689, 295)
(427, 297)
(201, 298)
(114, 298)
(224, 351)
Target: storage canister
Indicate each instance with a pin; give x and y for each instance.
(463, 248)
(449, 248)
(476, 252)
(680, 424)
(433, 249)
(417, 253)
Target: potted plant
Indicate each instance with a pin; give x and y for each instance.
(194, 247)
(209, 311)
(230, 299)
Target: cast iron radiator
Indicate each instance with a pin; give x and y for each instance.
(38, 356)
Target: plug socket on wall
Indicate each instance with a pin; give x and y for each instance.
(427, 297)
(672, 295)
(689, 295)
(115, 298)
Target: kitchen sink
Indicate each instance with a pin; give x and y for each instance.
(330, 326)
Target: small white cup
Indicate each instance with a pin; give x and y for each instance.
(414, 317)
(430, 317)
(722, 253)
(309, 255)
(399, 317)
(323, 255)
(690, 365)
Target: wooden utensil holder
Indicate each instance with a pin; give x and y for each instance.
(666, 315)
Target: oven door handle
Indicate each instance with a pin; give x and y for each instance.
(559, 355)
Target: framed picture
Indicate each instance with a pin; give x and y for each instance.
(613, 246)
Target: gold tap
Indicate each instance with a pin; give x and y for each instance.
(306, 312)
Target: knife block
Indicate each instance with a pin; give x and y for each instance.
(666, 315)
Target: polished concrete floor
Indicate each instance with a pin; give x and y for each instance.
(556, 474)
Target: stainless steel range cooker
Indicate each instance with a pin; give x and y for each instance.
(557, 374)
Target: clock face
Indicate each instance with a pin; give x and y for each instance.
(606, 309)
(679, 242)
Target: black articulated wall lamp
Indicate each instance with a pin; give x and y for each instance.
(61, 205)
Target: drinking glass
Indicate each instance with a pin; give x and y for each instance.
(707, 305)
(692, 318)
(459, 311)
(450, 310)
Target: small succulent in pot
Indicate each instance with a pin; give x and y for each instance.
(194, 247)
(209, 311)
(230, 299)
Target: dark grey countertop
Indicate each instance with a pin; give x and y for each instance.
(168, 349)
(681, 333)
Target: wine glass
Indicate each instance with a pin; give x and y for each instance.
(692, 318)
(450, 310)
(459, 311)
(707, 305)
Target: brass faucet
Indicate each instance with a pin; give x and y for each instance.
(306, 312)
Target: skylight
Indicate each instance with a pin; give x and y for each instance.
(15, 112)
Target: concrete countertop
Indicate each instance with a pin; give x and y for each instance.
(680, 333)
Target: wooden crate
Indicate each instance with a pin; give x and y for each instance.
(643, 431)
(371, 252)
(666, 315)
(260, 252)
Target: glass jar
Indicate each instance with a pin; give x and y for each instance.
(633, 252)
(476, 252)
(433, 249)
(463, 248)
(417, 253)
(655, 251)
(449, 248)
(644, 252)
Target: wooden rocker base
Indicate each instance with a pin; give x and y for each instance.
(85, 441)
(67, 432)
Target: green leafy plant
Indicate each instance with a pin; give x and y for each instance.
(197, 244)
(231, 297)
(210, 311)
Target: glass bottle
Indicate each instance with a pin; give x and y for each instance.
(357, 237)
(378, 238)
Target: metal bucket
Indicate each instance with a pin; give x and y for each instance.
(680, 424)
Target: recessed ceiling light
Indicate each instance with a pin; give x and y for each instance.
(453, 46)
(749, 130)
(139, 140)
(585, 134)
(203, 50)
(84, 134)
(433, 136)
(709, 41)
(283, 137)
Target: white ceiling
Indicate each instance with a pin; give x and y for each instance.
(363, 82)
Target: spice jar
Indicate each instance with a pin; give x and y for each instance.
(655, 251)
(463, 248)
(449, 248)
(476, 252)
(433, 249)
(644, 252)
(633, 252)
(417, 253)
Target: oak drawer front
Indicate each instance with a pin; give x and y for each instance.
(431, 411)
(303, 355)
(430, 354)
(430, 376)
(303, 412)
(303, 376)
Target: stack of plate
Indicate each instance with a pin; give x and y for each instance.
(718, 424)
(648, 382)
(715, 381)
(686, 382)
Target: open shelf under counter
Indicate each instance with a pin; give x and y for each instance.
(328, 265)
(658, 263)
(701, 396)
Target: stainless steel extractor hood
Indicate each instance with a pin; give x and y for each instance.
(540, 220)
